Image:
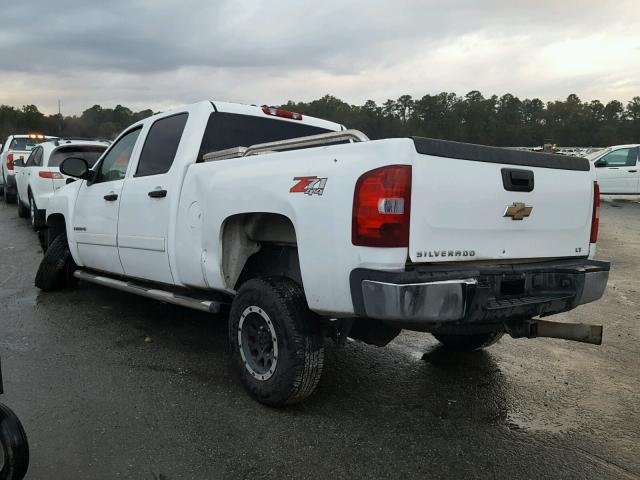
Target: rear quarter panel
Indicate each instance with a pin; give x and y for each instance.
(262, 183)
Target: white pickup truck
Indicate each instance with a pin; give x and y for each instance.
(310, 230)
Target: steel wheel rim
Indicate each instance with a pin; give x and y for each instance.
(257, 343)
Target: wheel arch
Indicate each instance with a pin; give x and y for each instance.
(56, 226)
(253, 244)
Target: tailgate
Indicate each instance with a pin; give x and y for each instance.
(463, 209)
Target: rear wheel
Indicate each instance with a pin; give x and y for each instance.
(43, 239)
(32, 213)
(276, 341)
(57, 266)
(23, 211)
(8, 197)
(468, 343)
(15, 448)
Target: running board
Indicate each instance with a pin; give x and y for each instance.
(209, 306)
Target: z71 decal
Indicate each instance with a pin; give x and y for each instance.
(309, 185)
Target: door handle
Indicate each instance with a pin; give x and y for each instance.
(157, 193)
(633, 171)
(111, 197)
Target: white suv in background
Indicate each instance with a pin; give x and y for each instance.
(17, 147)
(40, 176)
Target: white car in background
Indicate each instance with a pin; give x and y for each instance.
(617, 169)
(39, 178)
(17, 147)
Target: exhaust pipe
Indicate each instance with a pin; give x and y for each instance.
(577, 332)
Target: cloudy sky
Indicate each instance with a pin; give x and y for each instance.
(157, 53)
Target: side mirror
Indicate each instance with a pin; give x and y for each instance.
(75, 167)
(600, 164)
(19, 162)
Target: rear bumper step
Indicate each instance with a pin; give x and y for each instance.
(210, 306)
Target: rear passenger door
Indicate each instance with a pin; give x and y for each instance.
(147, 200)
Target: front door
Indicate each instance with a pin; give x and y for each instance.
(95, 223)
(618, 171)
(147, 196)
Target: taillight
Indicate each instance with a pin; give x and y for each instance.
(381, 207)
(279, 112)
(595, 216)
(10, 161)
(52, 175)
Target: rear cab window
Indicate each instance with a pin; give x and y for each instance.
(26, 144)
(228, 130)
(91, 153)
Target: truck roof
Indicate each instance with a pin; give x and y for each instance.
(253, 110)
(257, 111)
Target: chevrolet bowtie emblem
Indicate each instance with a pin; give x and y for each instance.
(517, 211)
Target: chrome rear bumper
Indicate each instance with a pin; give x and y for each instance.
(485, 295)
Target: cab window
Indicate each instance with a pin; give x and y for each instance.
(115, 162)
(161, 145)
(33, 158)
(625, 157)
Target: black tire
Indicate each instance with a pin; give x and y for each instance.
(23, 212)
(43, 238)
(9, 197)
(57, 266)
(468, 343)
(33, 213)
(298, 351)
(14, 445)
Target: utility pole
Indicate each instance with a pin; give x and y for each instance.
(59, 117)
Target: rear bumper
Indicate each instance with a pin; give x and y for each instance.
(440, 294)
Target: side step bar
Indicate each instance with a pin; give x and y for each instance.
(209, 306)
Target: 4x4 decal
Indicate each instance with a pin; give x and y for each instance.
(309, 185)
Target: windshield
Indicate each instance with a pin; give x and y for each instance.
(593, 155)
(90, 153)
(26, 144)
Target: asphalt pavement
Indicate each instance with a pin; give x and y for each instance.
(110, 385)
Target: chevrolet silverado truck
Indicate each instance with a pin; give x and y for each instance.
(307, 230)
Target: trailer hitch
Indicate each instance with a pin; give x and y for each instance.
(577, 332)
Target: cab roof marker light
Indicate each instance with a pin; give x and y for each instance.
(279, 112)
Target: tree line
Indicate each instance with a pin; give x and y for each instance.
(501, 121)
(94, 122)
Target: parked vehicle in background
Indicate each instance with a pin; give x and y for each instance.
(17, 147)
(310, 230)
(39, 177)
(617, 169)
